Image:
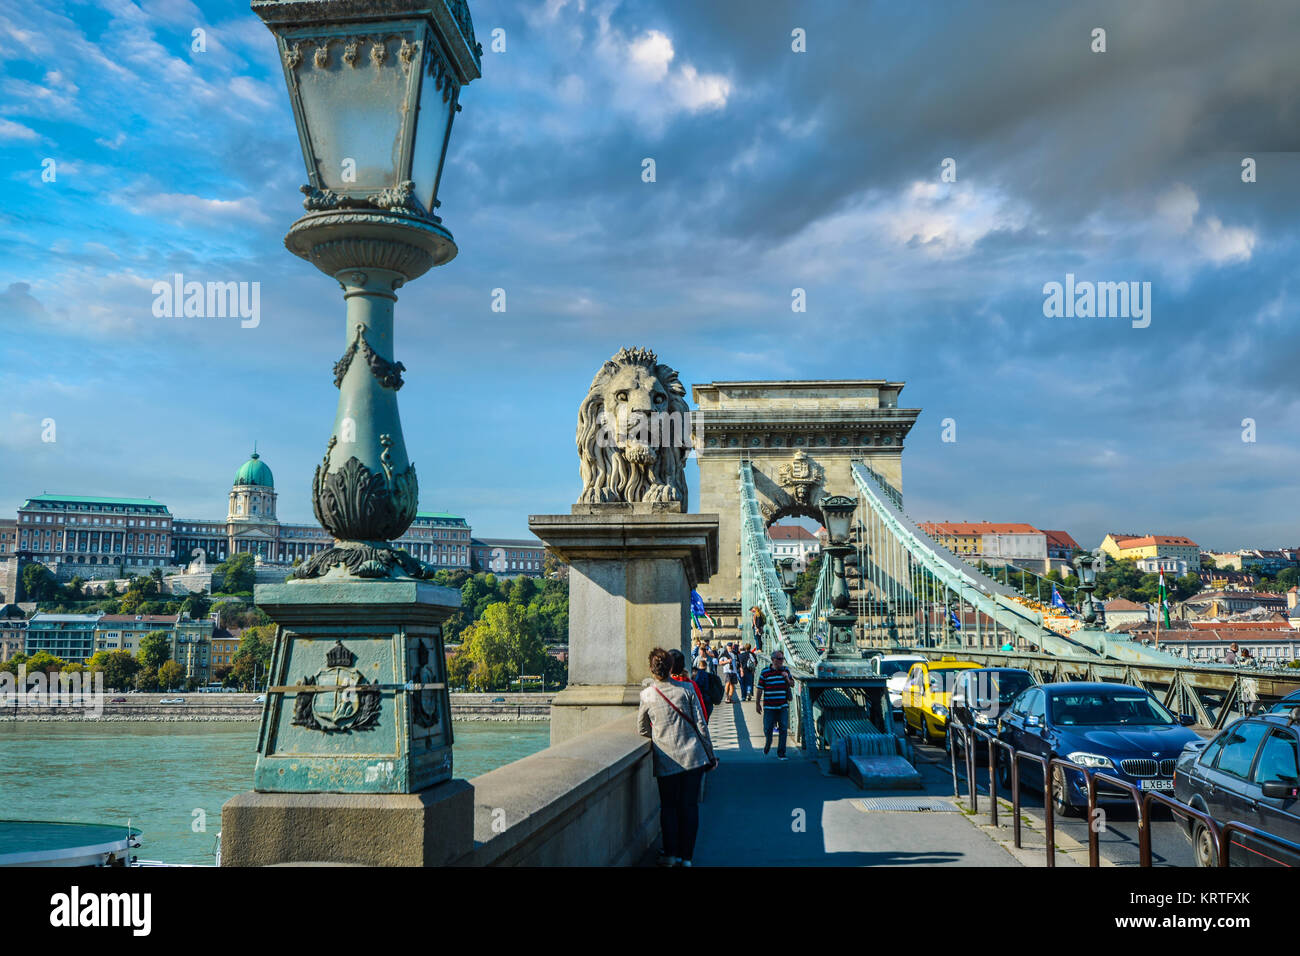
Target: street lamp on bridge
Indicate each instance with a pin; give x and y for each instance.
(837, 515)
(357, 702)
(789, 575)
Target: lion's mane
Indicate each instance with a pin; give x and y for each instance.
(607, 472)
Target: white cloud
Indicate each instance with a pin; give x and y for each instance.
(9, 130)
(183, 206)
(1176, 216)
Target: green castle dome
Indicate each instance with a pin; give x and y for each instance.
(255, 472)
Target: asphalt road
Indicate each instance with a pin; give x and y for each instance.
(1119, 838)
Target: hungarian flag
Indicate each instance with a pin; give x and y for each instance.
(697, 611)
(1164, 599)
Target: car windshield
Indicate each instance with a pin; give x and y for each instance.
(893, 668)
(1285, 705)
(942, 681)
(1101, 708)
(1009, 685)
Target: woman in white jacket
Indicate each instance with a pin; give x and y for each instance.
(671, 716)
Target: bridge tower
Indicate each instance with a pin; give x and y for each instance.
(800, 438)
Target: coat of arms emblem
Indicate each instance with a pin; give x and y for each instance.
(345, 700)
(799, 476)
(424, 701)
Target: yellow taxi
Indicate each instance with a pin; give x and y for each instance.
(927, 695)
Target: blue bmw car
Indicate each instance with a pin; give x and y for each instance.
(1118, 729)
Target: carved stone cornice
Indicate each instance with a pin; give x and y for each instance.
(388, 374)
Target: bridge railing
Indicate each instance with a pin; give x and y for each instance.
(1143, 800)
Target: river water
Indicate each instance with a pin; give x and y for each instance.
(170, 779)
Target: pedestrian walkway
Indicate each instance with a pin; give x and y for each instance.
(759, 811)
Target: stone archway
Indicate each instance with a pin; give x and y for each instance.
(800, 439)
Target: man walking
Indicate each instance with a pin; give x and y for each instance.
(747, 665)
(776, 689)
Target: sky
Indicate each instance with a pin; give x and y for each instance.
(821, 169)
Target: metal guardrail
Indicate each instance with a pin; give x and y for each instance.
(1143, 801)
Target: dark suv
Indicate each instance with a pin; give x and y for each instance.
(1249, 774)
(981, 694)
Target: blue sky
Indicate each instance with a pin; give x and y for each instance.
(775, 170)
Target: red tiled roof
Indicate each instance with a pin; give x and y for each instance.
(1219, 634)
(977, 527)
(1059, 539)
(142, 618)
(1123, 604)
(1241, 625)
(1151, 540)
(790, 532)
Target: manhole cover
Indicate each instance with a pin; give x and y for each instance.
(905, 804)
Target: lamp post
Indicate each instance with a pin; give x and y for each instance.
(1086, 567)
(789, 575)
(357, 698)
(837, 515)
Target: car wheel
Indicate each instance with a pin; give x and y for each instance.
(907, 725)
(1207, 854)
(1060, 801)
(1004, 771)
(923, 728)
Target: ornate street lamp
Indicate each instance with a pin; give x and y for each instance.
(357, 702)
(1086, 567)
(374, 86)
(837, 515)
(789, 575)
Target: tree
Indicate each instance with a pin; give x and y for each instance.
(522, 590)
(498, 647)
(146, 679)
(237, 574)
(119, 667)
(45, 661)
(252, 661)
(196, 606)
(39, 583)
(805, 585)
(76, 588)
(11, 665)
(170, 675)
(155, 649)
(110, 589)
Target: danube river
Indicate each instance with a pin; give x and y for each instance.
(170, 779)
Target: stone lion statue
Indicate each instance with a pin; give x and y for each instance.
(634, 432)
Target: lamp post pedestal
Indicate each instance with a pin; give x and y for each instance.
(632, 566)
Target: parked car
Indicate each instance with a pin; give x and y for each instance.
(894, 668)
(1250, 774)
(118, 700)
(172, 700)
(981, 693)
(927, 694)
(1287, 704)
(1118, 729)
(260, 699)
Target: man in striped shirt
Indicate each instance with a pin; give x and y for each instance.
(775, 688)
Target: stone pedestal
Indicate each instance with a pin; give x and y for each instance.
(356, 729)
(631, 570)
(434, 827)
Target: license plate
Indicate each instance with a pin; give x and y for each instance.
(1155, 785)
